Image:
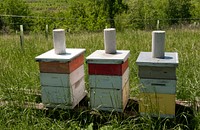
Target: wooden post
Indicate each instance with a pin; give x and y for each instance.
(21, 36)
(46, 32)
(158, 24)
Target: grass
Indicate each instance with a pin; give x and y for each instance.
(18, 69)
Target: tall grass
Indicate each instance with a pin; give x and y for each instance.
(18, 69)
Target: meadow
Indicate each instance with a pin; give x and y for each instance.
(18, 70)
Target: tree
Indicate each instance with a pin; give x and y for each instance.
(114, 7)
(177, 10)
(18, 8)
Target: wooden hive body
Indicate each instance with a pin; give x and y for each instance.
(62, 78)
(108, 80)
(157, 84)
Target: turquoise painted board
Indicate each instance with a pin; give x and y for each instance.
(109, 99)
(64, 97)
(62, 80)
(112, 82)
(161, 86)
(56, 95)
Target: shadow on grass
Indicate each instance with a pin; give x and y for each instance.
(86, 116)
(129, 119)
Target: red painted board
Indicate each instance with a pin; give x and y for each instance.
(107, 69)
(62, 68)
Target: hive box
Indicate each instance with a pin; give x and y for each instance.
(108, 80)
(62, 78)
(154, 104)
(158, 80)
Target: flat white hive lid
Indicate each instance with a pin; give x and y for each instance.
(170, 59)
(50, 56)
(100, 57)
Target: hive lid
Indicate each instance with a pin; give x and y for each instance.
(170, 60)
(100, 57)
(50, 56)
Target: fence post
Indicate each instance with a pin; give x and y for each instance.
(21, 36)
(157, 25)
(46, 31)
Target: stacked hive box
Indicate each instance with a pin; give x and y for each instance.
(62, 78)
(108, 80)
(158, 80)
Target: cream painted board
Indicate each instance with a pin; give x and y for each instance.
(78, 91)
(62, 80)
(112, 82)
(158, 86)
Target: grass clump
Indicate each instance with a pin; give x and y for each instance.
(18, 70)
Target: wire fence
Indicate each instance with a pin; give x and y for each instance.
(61, 22)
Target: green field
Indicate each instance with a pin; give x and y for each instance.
(18, 70)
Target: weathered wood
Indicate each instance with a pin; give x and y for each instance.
(61, 67)
(107, 69)
(125, 94)
(22, 37)
(159, 86)
(61, 80)
(109, 99)
(112, 82)
(153, 72)
(62, 76)
(56, 95)
(64, 97)
(47, 31)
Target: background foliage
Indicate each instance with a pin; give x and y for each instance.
(94, 15)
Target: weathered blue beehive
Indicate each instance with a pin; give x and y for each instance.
(158, 82)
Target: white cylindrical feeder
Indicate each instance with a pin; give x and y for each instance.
(110, 40)
(59, 41)
(158, 44)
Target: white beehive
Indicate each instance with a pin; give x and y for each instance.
(62, 78)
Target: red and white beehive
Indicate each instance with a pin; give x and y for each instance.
(109, 76)
(62, 77)
(108, 80)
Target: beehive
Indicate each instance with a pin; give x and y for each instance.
(156, 104)
(108, 80)
(62, 78)
(158, 80)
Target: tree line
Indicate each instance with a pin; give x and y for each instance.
(94, 15)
